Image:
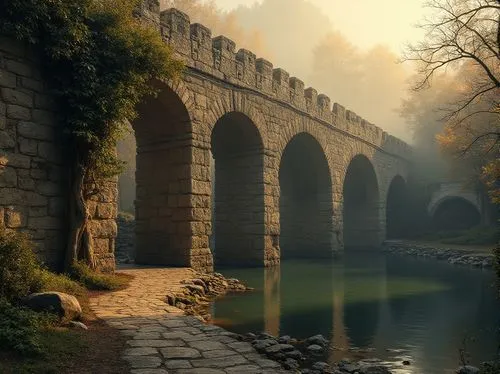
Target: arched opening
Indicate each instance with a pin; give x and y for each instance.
(163, 168)
(305, 200)
(455, 213)
(361, 205)
(396, 209)
(238, 214)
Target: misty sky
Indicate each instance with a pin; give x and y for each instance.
(366, 22)
(346, 49)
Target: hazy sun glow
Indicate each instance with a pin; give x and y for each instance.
(366, 22)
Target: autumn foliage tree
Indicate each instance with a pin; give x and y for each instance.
(463, 37)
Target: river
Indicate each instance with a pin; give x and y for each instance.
(373, 305)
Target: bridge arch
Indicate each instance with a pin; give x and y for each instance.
(361, 210)
(163, 162)
(306, 208)
(237, 191)
(396, 208)
(454, 213)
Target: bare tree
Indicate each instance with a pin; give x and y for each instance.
(462, 31)
(463, 38)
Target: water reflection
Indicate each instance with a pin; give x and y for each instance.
(399, 307)
(272, 299)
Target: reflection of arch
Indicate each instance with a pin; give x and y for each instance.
(455, 213)
(305, 199)
(163, 157)
(361, 204)
(239, 191)
(396, 211)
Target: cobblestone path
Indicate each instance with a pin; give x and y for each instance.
(163, 340)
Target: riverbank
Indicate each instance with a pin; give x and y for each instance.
(474, 256)
(163, 314)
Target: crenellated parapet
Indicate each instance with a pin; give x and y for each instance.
(217, 57)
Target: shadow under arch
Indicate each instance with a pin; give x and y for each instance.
(306, 208)
(361, 205)
(454, 213)
(237, 192)
(163, 164)
(397, 209)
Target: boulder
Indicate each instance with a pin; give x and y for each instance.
(65, 306)
(291, 364)
(78, 325)
(317, 339)
(315, 349)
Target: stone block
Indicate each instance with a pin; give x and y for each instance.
(16, 160)
(47, 188)
(44, 117)
(13, 96)
(32, 84)
(47, 223)
(101, 246)
(19, 68)
(28, 146)
(37, 211)
(32, 130)
(7, 79)
(8, 177)
(25, 182)
(103, 228)
(106, 210)
(18, 112)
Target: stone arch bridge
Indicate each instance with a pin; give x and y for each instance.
(294, 175)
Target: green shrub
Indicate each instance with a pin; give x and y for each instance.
(93, 280)
(20, 329)
(49, 281)
(19, 268)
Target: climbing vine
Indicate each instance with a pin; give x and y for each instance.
(100, 61)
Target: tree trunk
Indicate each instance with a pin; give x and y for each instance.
(79, 245)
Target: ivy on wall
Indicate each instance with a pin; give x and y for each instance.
(100, 61)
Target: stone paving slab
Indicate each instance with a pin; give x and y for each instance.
(162, 340)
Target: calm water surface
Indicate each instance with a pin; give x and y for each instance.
(373, 305)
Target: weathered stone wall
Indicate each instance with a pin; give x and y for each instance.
(33, 170)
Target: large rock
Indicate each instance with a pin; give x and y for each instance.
(65, 306)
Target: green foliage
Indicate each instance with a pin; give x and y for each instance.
(19, 270)
(20, 329)
(101, 62)
(48, 281)
(92, 280)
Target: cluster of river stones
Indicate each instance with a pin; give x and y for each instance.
(453, 256)
(301, 356)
